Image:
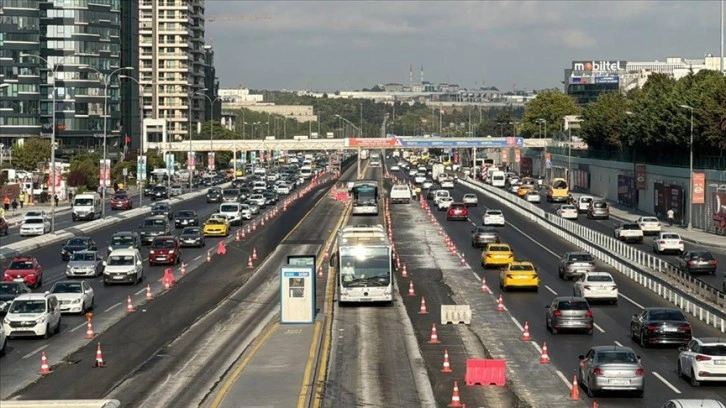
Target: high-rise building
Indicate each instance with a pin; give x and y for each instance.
(212, 105)
(130, 111)
(171, 52)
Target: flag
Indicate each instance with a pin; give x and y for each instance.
(128, 139)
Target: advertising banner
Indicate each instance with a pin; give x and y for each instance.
(626, 190)
(599, 66)
(210, 161)
(548, 160)
(718, 198)
(641, 177)
(104, 176)
(170, 162)
(699, 188)
(667, 197)
(373, 142)
(517, 155)
(191, 161)
(141, 168)
(525, 167)
(58, 180)
(607, 80)
(505, 155)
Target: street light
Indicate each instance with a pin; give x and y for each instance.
(106, 80)
(690, 172)
(189, 134)
(544, 121)
(54, 68)
(211, 125)
(141, 85)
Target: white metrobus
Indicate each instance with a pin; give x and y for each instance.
(364, 264)
(365, 197)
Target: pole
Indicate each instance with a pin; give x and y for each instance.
(141, 142)
(690, 167)
(190, 158)
(722, 18)
(105, 124)
(52, 158)
(358, 164)
(360, 129)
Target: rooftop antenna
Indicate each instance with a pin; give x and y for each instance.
(422, 81)
(410, 76)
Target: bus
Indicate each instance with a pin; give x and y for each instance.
(375, 160)
(364, 264)
(558, 191)
(365, 197)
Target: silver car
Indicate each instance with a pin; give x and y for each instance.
(569, 313)
(176, 190)
(85, 263)
(575, 264)
(611, 368)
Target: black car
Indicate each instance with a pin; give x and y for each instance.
(244, 193)
(214, 195)
(163, 209)
(124, 239)
(660, 325)
(239, 183)
(160, 193)
(8, 292)
(270, 197)
(77, 244)
(149, 190)
(192, 237)
(186, 218)
(230, 195)
(152, 227)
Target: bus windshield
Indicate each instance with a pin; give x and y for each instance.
(365, 195)
(365, 266)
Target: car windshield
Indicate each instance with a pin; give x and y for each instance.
(600, 204)
(154, 223)
(585, 199)
(570, 305)
(482, 230)
(116, 260)
(185, 214)
(9, 289)
(630, 227)
(499, 248)
(122, 240)
(84, 256)
(21, 265)
(33, 214)
(670, 236)
(568, 207)
(76, 242)
(559, 184)
(666, 315)
(616, 357)
(650, 220)
(715, 350)
(599, 278)
(176, 187)
(120, 197)
(191, 231)
(521, 268)
(27, 306)
(83, 202)
(229, 208)
(494, 212)
(159, 189)
(162, 244)
(67, 287)
(230, 192)
(580, 258)
(34, 221)
(215, 221)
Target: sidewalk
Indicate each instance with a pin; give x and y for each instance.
(695, 236)
(20, 213)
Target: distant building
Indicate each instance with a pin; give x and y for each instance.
(234, 98)
(228, 120)
(392, 87)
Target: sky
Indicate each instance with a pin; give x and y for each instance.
(513, 45)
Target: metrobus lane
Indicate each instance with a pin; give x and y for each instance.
(533, 243)
(372, 362)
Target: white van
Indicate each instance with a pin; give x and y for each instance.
(498, 179)
(306, 172)
(87, 206)
(33, 314)
(439, 194)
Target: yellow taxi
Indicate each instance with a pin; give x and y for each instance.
(497, 255)
(527, 185)
(216, 227)
(519, 275)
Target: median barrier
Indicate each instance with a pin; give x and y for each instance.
(686, 292)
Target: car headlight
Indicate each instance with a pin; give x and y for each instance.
(6, 321)
(171, 252)
(41, 320)
(76, 301)
(110, 249)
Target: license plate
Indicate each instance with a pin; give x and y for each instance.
(670, 329)
(118, 277)
(719, 362)
(523, 277)
(619, 382)
(161, 258)
(18, 280)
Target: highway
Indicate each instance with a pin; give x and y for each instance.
(535, 244)
(608, 226)
(138, 337)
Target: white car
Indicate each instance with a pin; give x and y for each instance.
(583, 203)
(568, 211)
(34, 226)
(649, 225)
(427, 184)
(420, 178)
(703, 359)
(35, 213)
(448, 183)
(533, 197)
(33, 314)
(3, 340)
(412, 172)
(258, 199)
(395, 167)
(444, 203)
(693, 403)
(493, 217)
(596, 286)
(246, 211)
(74, 296)
(514, 187)
(282, 189)
(668, 242)
(233, 212)
(470, 200)
(439, 194)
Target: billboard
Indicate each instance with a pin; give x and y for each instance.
(607, 79)
(699, 188)
(526, 166)
(141, 168)
(667, 197)
(718, 198)
(517, 155)
(599, 66)
(210, 161)
(641, 177)
(626, 190)
(104, 176)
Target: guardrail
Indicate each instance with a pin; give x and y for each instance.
(686, 292)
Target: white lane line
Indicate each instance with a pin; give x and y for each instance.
(198, 257)
(664, 381)
(79, 326)
(516, 322)
(537, 346)
(551, 290)
(631, 301)
(564, 379)
(617, 343)
(535, 241)
(36, 351)
(598, 328)
(140, 291)
(112, 307)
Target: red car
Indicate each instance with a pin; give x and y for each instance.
(121, 202)
(24, 269)
(457, 211)
(165, 250)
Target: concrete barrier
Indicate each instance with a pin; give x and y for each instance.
(455, 314)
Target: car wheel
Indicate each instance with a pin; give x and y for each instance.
(692, 380)
(138, 278)
(93, 303)
(47, 332)
(590, 391)
(679, 369)
(3, 346)
(641, 339)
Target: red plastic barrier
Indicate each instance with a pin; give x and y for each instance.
(486, 372)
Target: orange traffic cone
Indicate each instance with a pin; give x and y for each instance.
(221, 248)
(422, 309)
(130, 306)
(484, 288)
(434, 335)
(149, 295)
(254, 254)
(447, 366)
(500, 304)
(404, 272)
(262, 223)
(545, 357)
(44, 367)
(89, 330)
(254, 226)
(249, 263)
(575, 389)
(209, 256)
(99, 357)
(595, 405)
(411, 292)
(327, 254)
(244, 235)
(525, 333)
(183, 269)
(320, 272)
(455, 400)
(237, 236)
(463, 260)
(168, 279)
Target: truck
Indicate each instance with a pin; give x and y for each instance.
(400, 193)
(437, 170)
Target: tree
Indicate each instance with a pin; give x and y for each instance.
(604, 122)
(29, 154)
(87, 165)
(552, 106)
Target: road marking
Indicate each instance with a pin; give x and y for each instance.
(79, 326)
(537, 346)
(617, 343)
(535, 241)
(516, 322)
(631, 301)
(112, 307)
(36, 351)
(664, 381)
(564, 379)
(198, 257)
(551, 290)
(140, 291)
(309, 366)
(598, 328)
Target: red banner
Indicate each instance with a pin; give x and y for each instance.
(104, 176)
(210, 161)
(718, 199)
(699, 188)
(641, 177)
(517, 155)
(505, 155)
(373, 143)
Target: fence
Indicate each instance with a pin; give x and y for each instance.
(680, 159)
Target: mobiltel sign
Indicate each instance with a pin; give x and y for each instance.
(599, 66)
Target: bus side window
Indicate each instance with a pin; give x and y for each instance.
(332, 259)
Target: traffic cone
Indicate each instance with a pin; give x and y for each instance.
(422, 309)
(434, 335)
(320, 272)
(168, 279)
(99, 357)
(254, 254)
(89, 330)
(500, 304)
(129, 306)
(249, 263)
(327, 254)
(44, 367)
(447, 366)
(149, 295)
(262, 222)
(525, 334)
(237, 236)
(183, 269)
(575, 389)
(244, 235)
(209, 256)
(595, 405)
(484, 288)
(545, 357)
(404, 272)
(463, 260)
(221, 248)
(455, 400)
(254, 226)
(411, 292)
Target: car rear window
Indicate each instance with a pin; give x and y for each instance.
(599, 278)
(580, 258)
(671, 236)
(600, 204)
(666, 315)
(494, 212)
(522, 268)
(715, 350)
(499, 248)
(622, 357)
(573, 305)
(458, 206)
(704, 256)
(631, 226)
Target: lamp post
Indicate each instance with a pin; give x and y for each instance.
(190, 158)
(211, 125)
(54, 69)
(544, 121)
(690, 172)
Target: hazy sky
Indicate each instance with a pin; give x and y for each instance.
(346, 45)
